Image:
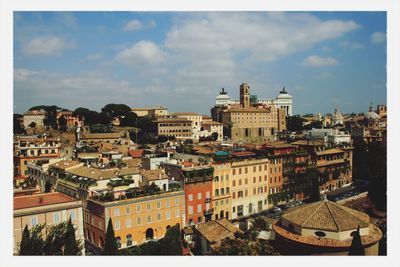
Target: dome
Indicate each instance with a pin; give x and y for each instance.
(283, 94)
(371, 115)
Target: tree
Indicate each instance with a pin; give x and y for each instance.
(128, 120)
(91, 117)
(294, 123)
(36, 240)
(313, 124)
(356, 247)
(110, 245)
(55, 240)
(17, 125)
(115, 110)
(25, 247)
(171, 244)
(72, 246)
(62, 123)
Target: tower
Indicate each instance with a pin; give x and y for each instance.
(244, 95)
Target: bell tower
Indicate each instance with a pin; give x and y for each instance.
(244, 95)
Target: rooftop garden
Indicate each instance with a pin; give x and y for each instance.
(82, 181)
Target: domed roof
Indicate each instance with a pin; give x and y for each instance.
(327, 215)
(283, 94)
(372, 115)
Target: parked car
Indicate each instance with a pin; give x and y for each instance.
(275, 210)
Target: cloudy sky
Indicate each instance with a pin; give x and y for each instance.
(182, 60)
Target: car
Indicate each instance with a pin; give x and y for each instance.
(275, 210)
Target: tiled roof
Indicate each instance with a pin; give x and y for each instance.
(98, 174)
(308, 143)
(138, 153)
(329, 151)
(38, 200)
(215, 231)
(186, 114)
(64, 164)
(327, 215)
(100, 135)
(152, 175)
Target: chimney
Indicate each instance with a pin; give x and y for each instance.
(40, 200)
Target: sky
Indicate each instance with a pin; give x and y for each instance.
(181, 60)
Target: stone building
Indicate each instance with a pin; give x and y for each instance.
(324, 228)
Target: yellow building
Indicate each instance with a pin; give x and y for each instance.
(49, 209)
(135, 220)
(196, 120)
(179, 127)
(221, 196)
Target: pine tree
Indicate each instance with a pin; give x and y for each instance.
(25, 247)
(110, 245)
(315, 193)
(72, 246)
(356, 247)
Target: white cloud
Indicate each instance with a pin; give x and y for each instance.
(142, 53)
(95, 56)
(46, 46)
(378, 37)
(317, 61)
(326, 49)
(351, 45)
(133, 25)
(152, 23)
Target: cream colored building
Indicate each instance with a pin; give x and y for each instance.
(210, 127)
(222, 189)
(249, 181)
(179, 127)
(152, 112)
(35, 116)
(49, 209)
(196, 120)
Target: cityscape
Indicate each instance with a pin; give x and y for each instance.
(180, 144)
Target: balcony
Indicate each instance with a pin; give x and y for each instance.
(209, 211)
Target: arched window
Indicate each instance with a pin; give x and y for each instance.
(118, 240)
(129, 240)
(149, 234)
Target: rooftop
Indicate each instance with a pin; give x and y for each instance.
(39, 200)
(187, 114)
(98, 174)
(64, 164)
(326, 215)
(152, 175)
(329, 151)
(216, 231)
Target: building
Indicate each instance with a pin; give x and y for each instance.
(282, 101)
(249, 186)
(196, 120)
(151, 112)
(198, 188)
(72, 122)
(221, 188)
(210, 127)
(136, 219)
(34, 116)
(330, 136)
(178, 127)
(337, 118)
(210, 234)
(49, 209)
(249, 121)
(324, 228)
(121, 137)
(34, 148)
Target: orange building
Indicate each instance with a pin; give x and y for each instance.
(135, 220)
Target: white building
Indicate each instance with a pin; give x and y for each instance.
(283, 100)
(210, 127)
(196, 120)
(36, 116)
(329, 136)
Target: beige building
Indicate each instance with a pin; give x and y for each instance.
(250, 122)
(179, 127)
(152, 112)
(196, 120)
(49, 209)
(36, 116)
(210, 127)
(221, 196)
(249, 186)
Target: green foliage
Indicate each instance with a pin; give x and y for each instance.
(25, 247)
(91, 117)
(356, 247)
(314, 124)
(72, 246)
(17, 126)
(313, 175)
(112, 111)
(110, 245)
(170, 244)
(294, 123)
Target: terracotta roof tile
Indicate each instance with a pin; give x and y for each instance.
(38, 200)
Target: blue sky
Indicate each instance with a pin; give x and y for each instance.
(181, 60)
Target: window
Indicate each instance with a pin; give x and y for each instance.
(234, 195)
(265, 178)
(222, 178)
(234, 172)
(138, 220)
(259, 179)
(245, 193)
(240, 182)
(128, 210)
(148, 206)
(216, 179)
(199, 208)
(190, 209)
(254, 179)
(198, 195)
(117, 225)
(254, 191)
(227, 190)
(208, 194)
(240, 170)
(159, 216)
(34, 220)
(176, 201)
(216, 192)
(319, 233)
(227, 177)
(56, 217)
(149, 218)
(128, 223)
(168, 215)
(254, 168)
(240, 194)
(222, 191)
(234, 209)
(129, 240)
(167, 204)
(137, 208)
(233, 183)
(245, 170)
(177, 213)
(158, 204)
